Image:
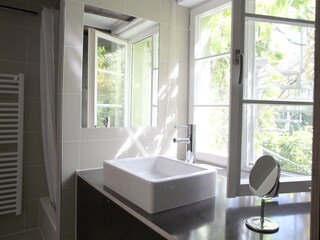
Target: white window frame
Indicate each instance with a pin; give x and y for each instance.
(93, 36)
(235, 186)
(194, 15)
(154, 33)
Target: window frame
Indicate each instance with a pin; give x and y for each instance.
(236, 186)
(93, 36)
(195, 14)
(153, 32)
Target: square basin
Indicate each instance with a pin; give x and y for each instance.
(159, 183)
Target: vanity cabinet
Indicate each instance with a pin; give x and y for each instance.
(100, 218)
(104, 214)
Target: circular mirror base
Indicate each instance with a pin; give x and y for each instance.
(269, 225)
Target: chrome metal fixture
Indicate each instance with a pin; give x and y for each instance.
(190, 141)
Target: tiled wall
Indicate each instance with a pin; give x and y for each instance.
(87, 148)
(20, 53)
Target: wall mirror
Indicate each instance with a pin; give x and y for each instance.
(120, 70)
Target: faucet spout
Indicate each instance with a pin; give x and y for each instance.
(190, 141)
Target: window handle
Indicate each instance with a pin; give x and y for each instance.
(241, 68)
(238, 59)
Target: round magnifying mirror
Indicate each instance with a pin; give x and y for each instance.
(264, 176)
(264, 183)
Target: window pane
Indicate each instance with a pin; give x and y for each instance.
(280, 62)
(212, 130)
(297, 9)
(110, 79)
(141, 82)
(212, 81)
(282, 131)
(214, 33)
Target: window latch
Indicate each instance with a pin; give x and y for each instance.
(236, 56)
(238, 59)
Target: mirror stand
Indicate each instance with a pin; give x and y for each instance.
(261, 223)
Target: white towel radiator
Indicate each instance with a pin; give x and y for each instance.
(11, 142)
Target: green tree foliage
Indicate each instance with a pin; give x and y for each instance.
(110, 82)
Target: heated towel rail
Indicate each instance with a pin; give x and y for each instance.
(11, 142)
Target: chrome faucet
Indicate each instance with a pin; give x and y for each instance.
(190, 140)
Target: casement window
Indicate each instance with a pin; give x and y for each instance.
(210, 79)
(272, 91)
(265, 105)
(107, 79)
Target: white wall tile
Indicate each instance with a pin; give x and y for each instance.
(101, 133)
(74, 24)
(182, 45)
(149, 9)
(72, 83)
(71, 118)
(118, 6)
(182, 17)
(71, 163)
(166, 44)
(138, 147)
(183, 82)
(166, 11)
(138, 132)
(93, 153)
(182, 112)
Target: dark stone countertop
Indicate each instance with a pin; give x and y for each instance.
(218, 218)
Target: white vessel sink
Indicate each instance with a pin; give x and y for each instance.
(158, 183)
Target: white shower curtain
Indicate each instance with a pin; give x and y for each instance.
(48, 101)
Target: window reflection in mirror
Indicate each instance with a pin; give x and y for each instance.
(144, 76)
(120, 70)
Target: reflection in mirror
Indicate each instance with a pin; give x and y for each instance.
(120, 70)
(264, 183)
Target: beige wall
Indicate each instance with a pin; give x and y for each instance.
(87, 148)
(20, 53)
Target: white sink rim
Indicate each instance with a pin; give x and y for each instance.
(198, 170)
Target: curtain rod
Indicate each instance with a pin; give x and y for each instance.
(18, 10)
